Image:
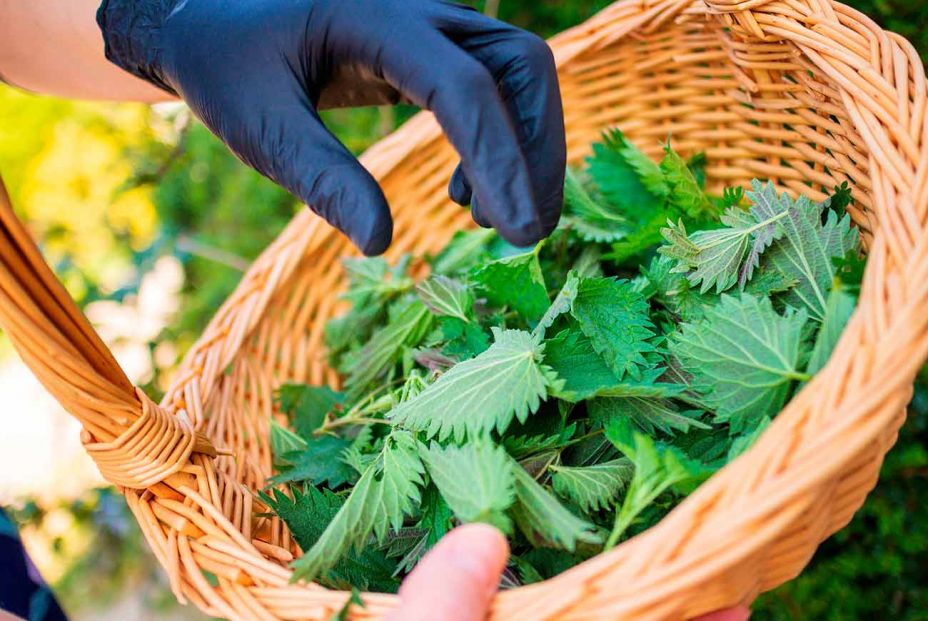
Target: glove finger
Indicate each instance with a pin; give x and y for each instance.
(523, 66)
(461, 193)
(459, 187)
(464, 98)
(477, 214)
(290, 145)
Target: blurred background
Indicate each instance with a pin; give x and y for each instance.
(150, 223)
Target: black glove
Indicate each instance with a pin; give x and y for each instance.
(256, 72)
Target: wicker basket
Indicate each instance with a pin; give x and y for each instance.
(807, 93)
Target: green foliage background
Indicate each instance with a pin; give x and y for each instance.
(171, 188)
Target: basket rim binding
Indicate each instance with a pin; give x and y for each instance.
(783, 497)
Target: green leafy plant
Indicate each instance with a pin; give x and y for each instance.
(569, 394)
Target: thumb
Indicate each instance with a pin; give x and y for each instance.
(457, 579)
(290, 144)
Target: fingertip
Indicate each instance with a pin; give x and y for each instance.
(473, 556)
(550, 211)
(482, 542)
(457, 579)
(459, 189)
(477, 215)
(369, 222)
(351, 200)
(482, 552)
(374, 239)
(477, 553)
(512, 211)
(524, 234)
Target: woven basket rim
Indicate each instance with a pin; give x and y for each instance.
(597, 32)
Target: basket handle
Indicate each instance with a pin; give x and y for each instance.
(124, 431)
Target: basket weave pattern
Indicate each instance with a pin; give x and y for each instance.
(807, 93)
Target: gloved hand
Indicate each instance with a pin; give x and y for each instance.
(256, 72)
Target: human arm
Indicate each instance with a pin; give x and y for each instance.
(257, 73)
(54, 47)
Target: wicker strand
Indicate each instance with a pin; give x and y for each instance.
(153, 448)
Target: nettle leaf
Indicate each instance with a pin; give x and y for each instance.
(685, 194)
(519, 446)
(446, 297)
(481, 394)
(361, 452)
(724, 257)
(436, 518)
(561, 304)
(838, 311)
(746, 440)
(583, 371)
(436, 521)
(642, 239)
(354, 327)
(841, 198)
(307, 512)
(766, 283)
(307, 406)
(648, 387)
(587, 265)
(537, 464)
(283, 440)
(387, 492)
(319, 463)
(615, 318)
(464, 339)
(849, 269)
(732, 197)
(593, 221)
(385, 347)
(806, 250)
(365, 275)
(674, 291)
(624, 175)
(476, 480)
(650, 414)
(744, 356)
(515, 282)
(593, 488)
(527, 573)
(657, 469)
(697, 164)
(465, 250)
(541, 516)
(371, 277)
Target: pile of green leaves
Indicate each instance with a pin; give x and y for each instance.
(570, 394)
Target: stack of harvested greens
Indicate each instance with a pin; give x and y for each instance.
(571, 394)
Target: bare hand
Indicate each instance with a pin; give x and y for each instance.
(457, 580)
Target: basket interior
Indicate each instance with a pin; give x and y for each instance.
(756, 108)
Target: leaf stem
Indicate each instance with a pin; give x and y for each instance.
(587, 436)
(345, 421)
